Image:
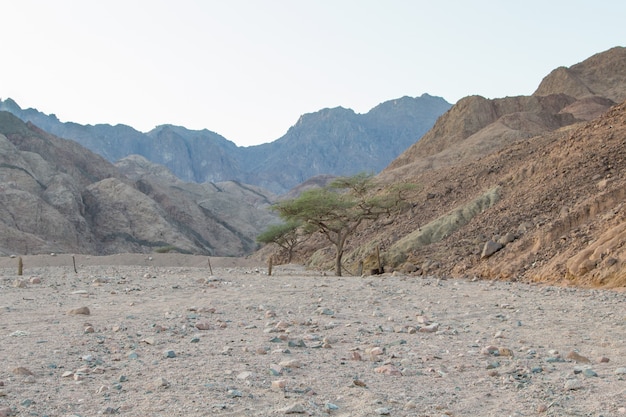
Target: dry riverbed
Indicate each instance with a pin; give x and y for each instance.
(160, 335)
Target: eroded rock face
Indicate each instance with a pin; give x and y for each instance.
(59, 197)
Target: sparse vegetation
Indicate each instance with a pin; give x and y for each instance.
(286, 235)
(338, 209)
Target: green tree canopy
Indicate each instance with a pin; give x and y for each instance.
(286, 235)
(338, 209)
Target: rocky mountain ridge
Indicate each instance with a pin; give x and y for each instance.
(331, 141)
(57, 196)
(524, 188)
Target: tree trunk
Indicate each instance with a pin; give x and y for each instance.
(338, 261)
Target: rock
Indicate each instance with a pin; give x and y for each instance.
(383, 411)
(18, 283)
(35, 280)
(603, 359)
(293, 409)
(20, 370)
(279, 384)
(388, 370)
(431, 328)
(290, 363)
(159, 383)
(204, 325)
(80, 310)
(578, 358)
(5, 411)
(506, 239)
(169, 354)
(620, 371)
(573, 384)
(490, 248)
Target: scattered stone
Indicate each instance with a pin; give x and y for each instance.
(80, 310)
(89, 329)
(290, 363)
(35, 280)
(18, 283)
(293, 409)
(576, 357)
(383, 411)
(233, 393)
(20, 370)
(279, 384)
(620, 371)
(603, 359)
(573, 384)
(490, 248)
(169, 354)
(431, 328)
(148, 340)
(159, 383)
(388, 370)
(204, 325)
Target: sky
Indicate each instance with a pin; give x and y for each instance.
(248, 69)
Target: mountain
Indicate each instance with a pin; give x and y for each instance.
(528, 188)
(331, 141)
(56, 196)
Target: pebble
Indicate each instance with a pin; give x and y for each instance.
(431, 328)
(576, 357)
(388, 370)
(159, 383)
(620, 371)
(573, 384)
(279, 384)
(204, 325)
(20, 370)
(169, 354)
(18, 283)
(5, 411)
(383, 411)
(80, 310)
(293, 409)
(290, 363)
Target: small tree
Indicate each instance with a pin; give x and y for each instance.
(338, 209)
(286, 235)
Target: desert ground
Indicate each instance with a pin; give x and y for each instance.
(175, 335)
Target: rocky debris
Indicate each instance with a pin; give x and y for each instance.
(142, 343)
(79, 311)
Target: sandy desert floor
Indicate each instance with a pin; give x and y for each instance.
(166, 337)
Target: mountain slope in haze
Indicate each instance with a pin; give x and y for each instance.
(520, 188)
(331, 141)
(57, 196)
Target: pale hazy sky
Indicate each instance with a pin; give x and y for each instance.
(247, 69)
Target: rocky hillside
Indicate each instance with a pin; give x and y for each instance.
(520, 188)
(57, 196)
(331, 141)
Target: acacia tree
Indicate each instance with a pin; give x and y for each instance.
(338, 209)
(286, 235)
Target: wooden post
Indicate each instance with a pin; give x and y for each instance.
(74, 262)
(20, 266)
(360, 271)
(210, 269)
(269, 266)
(380, 267)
